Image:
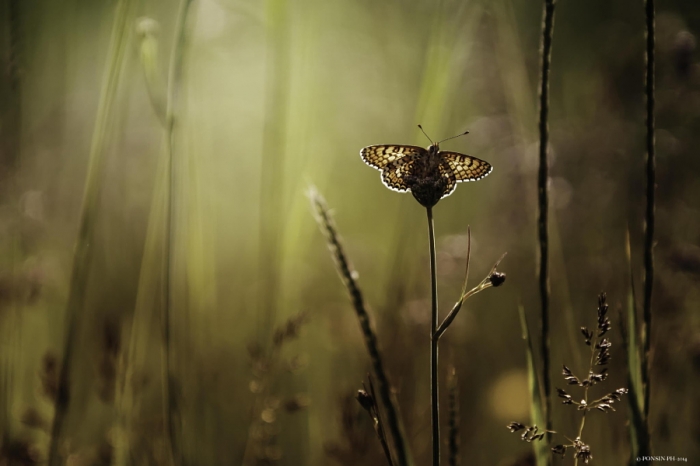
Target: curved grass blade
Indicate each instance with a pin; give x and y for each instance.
(639, 438)
(537, 416)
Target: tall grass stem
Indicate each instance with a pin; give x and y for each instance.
(650, 215)
(349, 277)
(434, 386)
(10, 147)
(272, 171)
(82, 255)
(543, 202)
(174, 83)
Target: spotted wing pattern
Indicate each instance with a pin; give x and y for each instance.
(381, 156)
(448, 174)
(464, 167)
(395, 174)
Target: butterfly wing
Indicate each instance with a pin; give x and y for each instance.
(381, 156)
(394, 175)
(448, 174)
(464, 167)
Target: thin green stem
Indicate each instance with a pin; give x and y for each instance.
(650, 212)
(174, 78)
(379, 424)
(272, 172)
(585, 395)
(10, 146)
(485, 283)
(82, 254)
(434, 398)
(543, 194)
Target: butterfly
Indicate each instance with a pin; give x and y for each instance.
(429, 174)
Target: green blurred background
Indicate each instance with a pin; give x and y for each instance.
(267, 99)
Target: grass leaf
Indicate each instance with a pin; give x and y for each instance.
(638, 437)
(537, 416)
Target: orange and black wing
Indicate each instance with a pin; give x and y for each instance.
(394, 175)
(381, 156)
(460, 167)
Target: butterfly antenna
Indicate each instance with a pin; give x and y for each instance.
(461, 134)
(426, 134)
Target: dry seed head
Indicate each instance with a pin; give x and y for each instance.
(583, 451)
(596, 378)
(603, 320)
(603, 356)
(587, 334)
(569, 376)
(567, 398)
(365, 400)
(515, 426)
(497, 278)
(560, 450)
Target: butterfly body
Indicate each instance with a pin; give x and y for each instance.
(429, 174)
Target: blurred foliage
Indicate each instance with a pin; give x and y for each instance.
(275, 96)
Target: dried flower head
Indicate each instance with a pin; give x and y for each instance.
(560, 450)
(365, 400)
(515, 426)
(603, 355)
(531, 433)
(583, 451)
(587, 334)
(603, 320)
(497, 278)
(567, 398)
(599, 347)
(569, 376)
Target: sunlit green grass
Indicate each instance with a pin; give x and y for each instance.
(248, 137)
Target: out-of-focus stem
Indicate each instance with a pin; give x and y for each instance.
(82, 254)
(174, 78)
(543, 197)
(650, 216)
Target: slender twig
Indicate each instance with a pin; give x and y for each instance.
(174, 78)
(348, 276)
(10, 147)
(543, 191)
(83, 252)
(434, 389)
(585, 394)
(485, 283)
(637, 427)
(379, 423)
(649, 230)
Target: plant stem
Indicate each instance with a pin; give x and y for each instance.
(174, 78)
(348, 275)
(434, 398)
(543, 192)
(82, 255)
(272, 169)
(650, 208)
(10, 147)
(379, 424)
